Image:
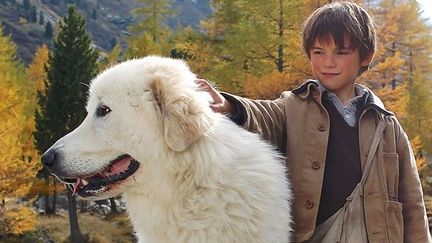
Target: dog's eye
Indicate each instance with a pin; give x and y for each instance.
(102, 111)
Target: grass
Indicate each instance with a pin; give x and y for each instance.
(428, 204)
(98, 229)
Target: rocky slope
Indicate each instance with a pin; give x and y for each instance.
(26, 20)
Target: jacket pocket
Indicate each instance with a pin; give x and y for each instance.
(394, 221)
(391, 174)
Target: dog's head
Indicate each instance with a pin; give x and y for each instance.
(137, 111)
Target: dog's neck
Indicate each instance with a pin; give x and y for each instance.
(150, 206)
(176, 177)
(175, 173)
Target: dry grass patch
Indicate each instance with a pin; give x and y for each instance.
(428, 204)
(98, 229)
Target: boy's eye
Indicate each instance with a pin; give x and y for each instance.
(317, 52)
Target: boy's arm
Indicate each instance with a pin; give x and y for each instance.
(416, 227)
(265, 117)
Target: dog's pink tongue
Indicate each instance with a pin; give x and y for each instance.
(118, 167)
(76, 186)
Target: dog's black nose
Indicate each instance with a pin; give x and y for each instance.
(49, 158)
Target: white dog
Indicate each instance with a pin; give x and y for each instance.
(187, 174)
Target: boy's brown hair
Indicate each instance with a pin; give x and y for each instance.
(338, 19)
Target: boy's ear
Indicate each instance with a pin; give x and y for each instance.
(367, 60)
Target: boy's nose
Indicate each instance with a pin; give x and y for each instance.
(329, 61)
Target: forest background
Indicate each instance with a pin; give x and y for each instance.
(247, 47)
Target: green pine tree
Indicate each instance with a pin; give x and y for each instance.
(33, 14)
(41, 18)
(48, 30)
(26, 4)
(94, 14)
(71, 65)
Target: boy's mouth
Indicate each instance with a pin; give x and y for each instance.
(330, 74)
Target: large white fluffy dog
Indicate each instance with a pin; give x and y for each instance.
(187, 174)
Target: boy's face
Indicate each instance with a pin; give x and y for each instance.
(336, 68)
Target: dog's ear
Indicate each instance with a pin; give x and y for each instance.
(184, 118)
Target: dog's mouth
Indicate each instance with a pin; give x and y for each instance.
(117, 171)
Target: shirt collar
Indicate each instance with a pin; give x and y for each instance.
(361, 94)
(307, 88)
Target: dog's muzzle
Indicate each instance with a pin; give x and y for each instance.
(91, 185)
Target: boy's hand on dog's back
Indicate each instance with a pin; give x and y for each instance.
(220, 104)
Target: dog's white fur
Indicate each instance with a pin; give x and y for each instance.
(201, 177)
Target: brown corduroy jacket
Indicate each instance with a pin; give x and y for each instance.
(298, 124)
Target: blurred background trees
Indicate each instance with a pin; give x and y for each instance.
(70, 67)
(18, 158)
(251, 48)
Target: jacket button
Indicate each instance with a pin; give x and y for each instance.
(309, 204)
(321, 127)
(316, 165)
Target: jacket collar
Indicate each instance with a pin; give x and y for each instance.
(312, 87)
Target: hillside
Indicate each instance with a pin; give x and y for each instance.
(107, 21)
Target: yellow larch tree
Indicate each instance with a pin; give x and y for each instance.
(151, 33)
(401, 71)
(110, 58)
(253, 39)
(271, 85)
(418, 121)
(37, 79)
(36, 83)
(36, 71)
(17, 169)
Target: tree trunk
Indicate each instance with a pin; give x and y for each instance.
(83, 208)
(48, 209)
(76, 236)
(113, 206)
(2, 206)
(280, 60)
(154, 21)
(54, 204)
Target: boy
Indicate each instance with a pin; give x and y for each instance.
(326, 128)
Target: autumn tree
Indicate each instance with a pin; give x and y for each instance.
(419, 117)
(405, 43)
(71, 66)
(401, 68)
(37, 77)
(401, 71)
(395, 99)
(151, 33)
(18, 165)
(257, 38)
(111, 58)
(36, 71)
(155, 14)
(193, 47)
